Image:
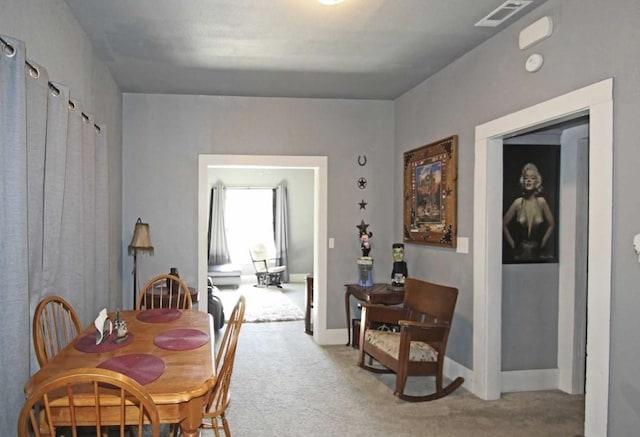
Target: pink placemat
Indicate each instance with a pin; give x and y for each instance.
(158, 315)
(181, 339)
(87, 343)
(144, 368)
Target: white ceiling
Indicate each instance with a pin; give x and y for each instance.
(362, 49)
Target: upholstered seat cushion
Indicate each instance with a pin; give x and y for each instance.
(225, 274)
(223, 270)
(389, 342)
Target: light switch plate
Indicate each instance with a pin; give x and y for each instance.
(462, 245)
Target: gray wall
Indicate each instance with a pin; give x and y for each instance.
(55, 40)
(164, 134)
(592, 40)
(299, 200)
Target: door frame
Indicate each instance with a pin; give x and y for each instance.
(596, 100)
(319, 165)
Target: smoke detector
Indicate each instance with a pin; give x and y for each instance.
(503, 12)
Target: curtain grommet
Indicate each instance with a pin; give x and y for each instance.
(8, 50)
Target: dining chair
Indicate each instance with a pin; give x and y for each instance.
(164, 291)
(218, 395)
(55, 325)
(84, 398)
(218, 400)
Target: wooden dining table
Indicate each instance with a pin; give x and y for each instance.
(170, 352)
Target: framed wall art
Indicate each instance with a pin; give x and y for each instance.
(530, 194)
(430, 193)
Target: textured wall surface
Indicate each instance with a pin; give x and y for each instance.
(164, 134)
(591, 42)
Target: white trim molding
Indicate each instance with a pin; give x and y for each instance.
(595, 100)
(529, 380)
(319, 164)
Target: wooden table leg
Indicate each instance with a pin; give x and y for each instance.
(308, 306)
(347, 305)
(193, 418)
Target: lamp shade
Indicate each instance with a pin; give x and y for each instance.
(141, 241)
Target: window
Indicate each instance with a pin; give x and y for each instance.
(248, 220)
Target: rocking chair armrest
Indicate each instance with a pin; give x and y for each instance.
(411, 323)
(432, 333)
(381, 313)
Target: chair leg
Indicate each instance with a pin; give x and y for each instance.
(433, 396)
(401, 381)
(215, 426)
(225, 425)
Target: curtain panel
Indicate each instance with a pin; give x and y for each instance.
(53, 212)
(282, 229)
(218, 247)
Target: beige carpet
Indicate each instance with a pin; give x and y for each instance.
(264, 304)
(285, 385)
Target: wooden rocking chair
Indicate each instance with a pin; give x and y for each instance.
(413, 338)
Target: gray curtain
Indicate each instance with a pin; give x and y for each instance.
(14, 271)
(54, 186)
(218, 248)
(282, 229)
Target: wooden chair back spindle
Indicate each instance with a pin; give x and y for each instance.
(164, 291)
(55, 325)
(88, 397)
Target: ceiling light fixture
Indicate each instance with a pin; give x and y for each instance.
(330, 2)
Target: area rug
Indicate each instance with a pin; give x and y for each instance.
(266, 304)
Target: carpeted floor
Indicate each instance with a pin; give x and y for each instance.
(284, 385)
(265, 304)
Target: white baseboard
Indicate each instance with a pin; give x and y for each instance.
(529, 380)
(453, 369)
(332, 337)
(298, 277)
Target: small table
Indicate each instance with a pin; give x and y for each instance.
(309, 305)
(377, 293)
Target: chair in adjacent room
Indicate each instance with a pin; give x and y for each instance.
(411, 340)
(55, 325)
(164, 291)
(268, 272)
(88, 397)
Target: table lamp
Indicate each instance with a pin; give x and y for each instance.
(141, 242)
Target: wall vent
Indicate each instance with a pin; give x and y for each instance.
(503, 12)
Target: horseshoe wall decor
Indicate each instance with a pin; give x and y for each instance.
(362, 160)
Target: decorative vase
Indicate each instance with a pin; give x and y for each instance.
(365, 271)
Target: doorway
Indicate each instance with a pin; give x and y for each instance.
(595, 101)
(319, 166)
(544, 298)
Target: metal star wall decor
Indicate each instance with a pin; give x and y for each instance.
(363, 204)
(362, 183)
(363, 227)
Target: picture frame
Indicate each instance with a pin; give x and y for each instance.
(431, 193)
(519, 245)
